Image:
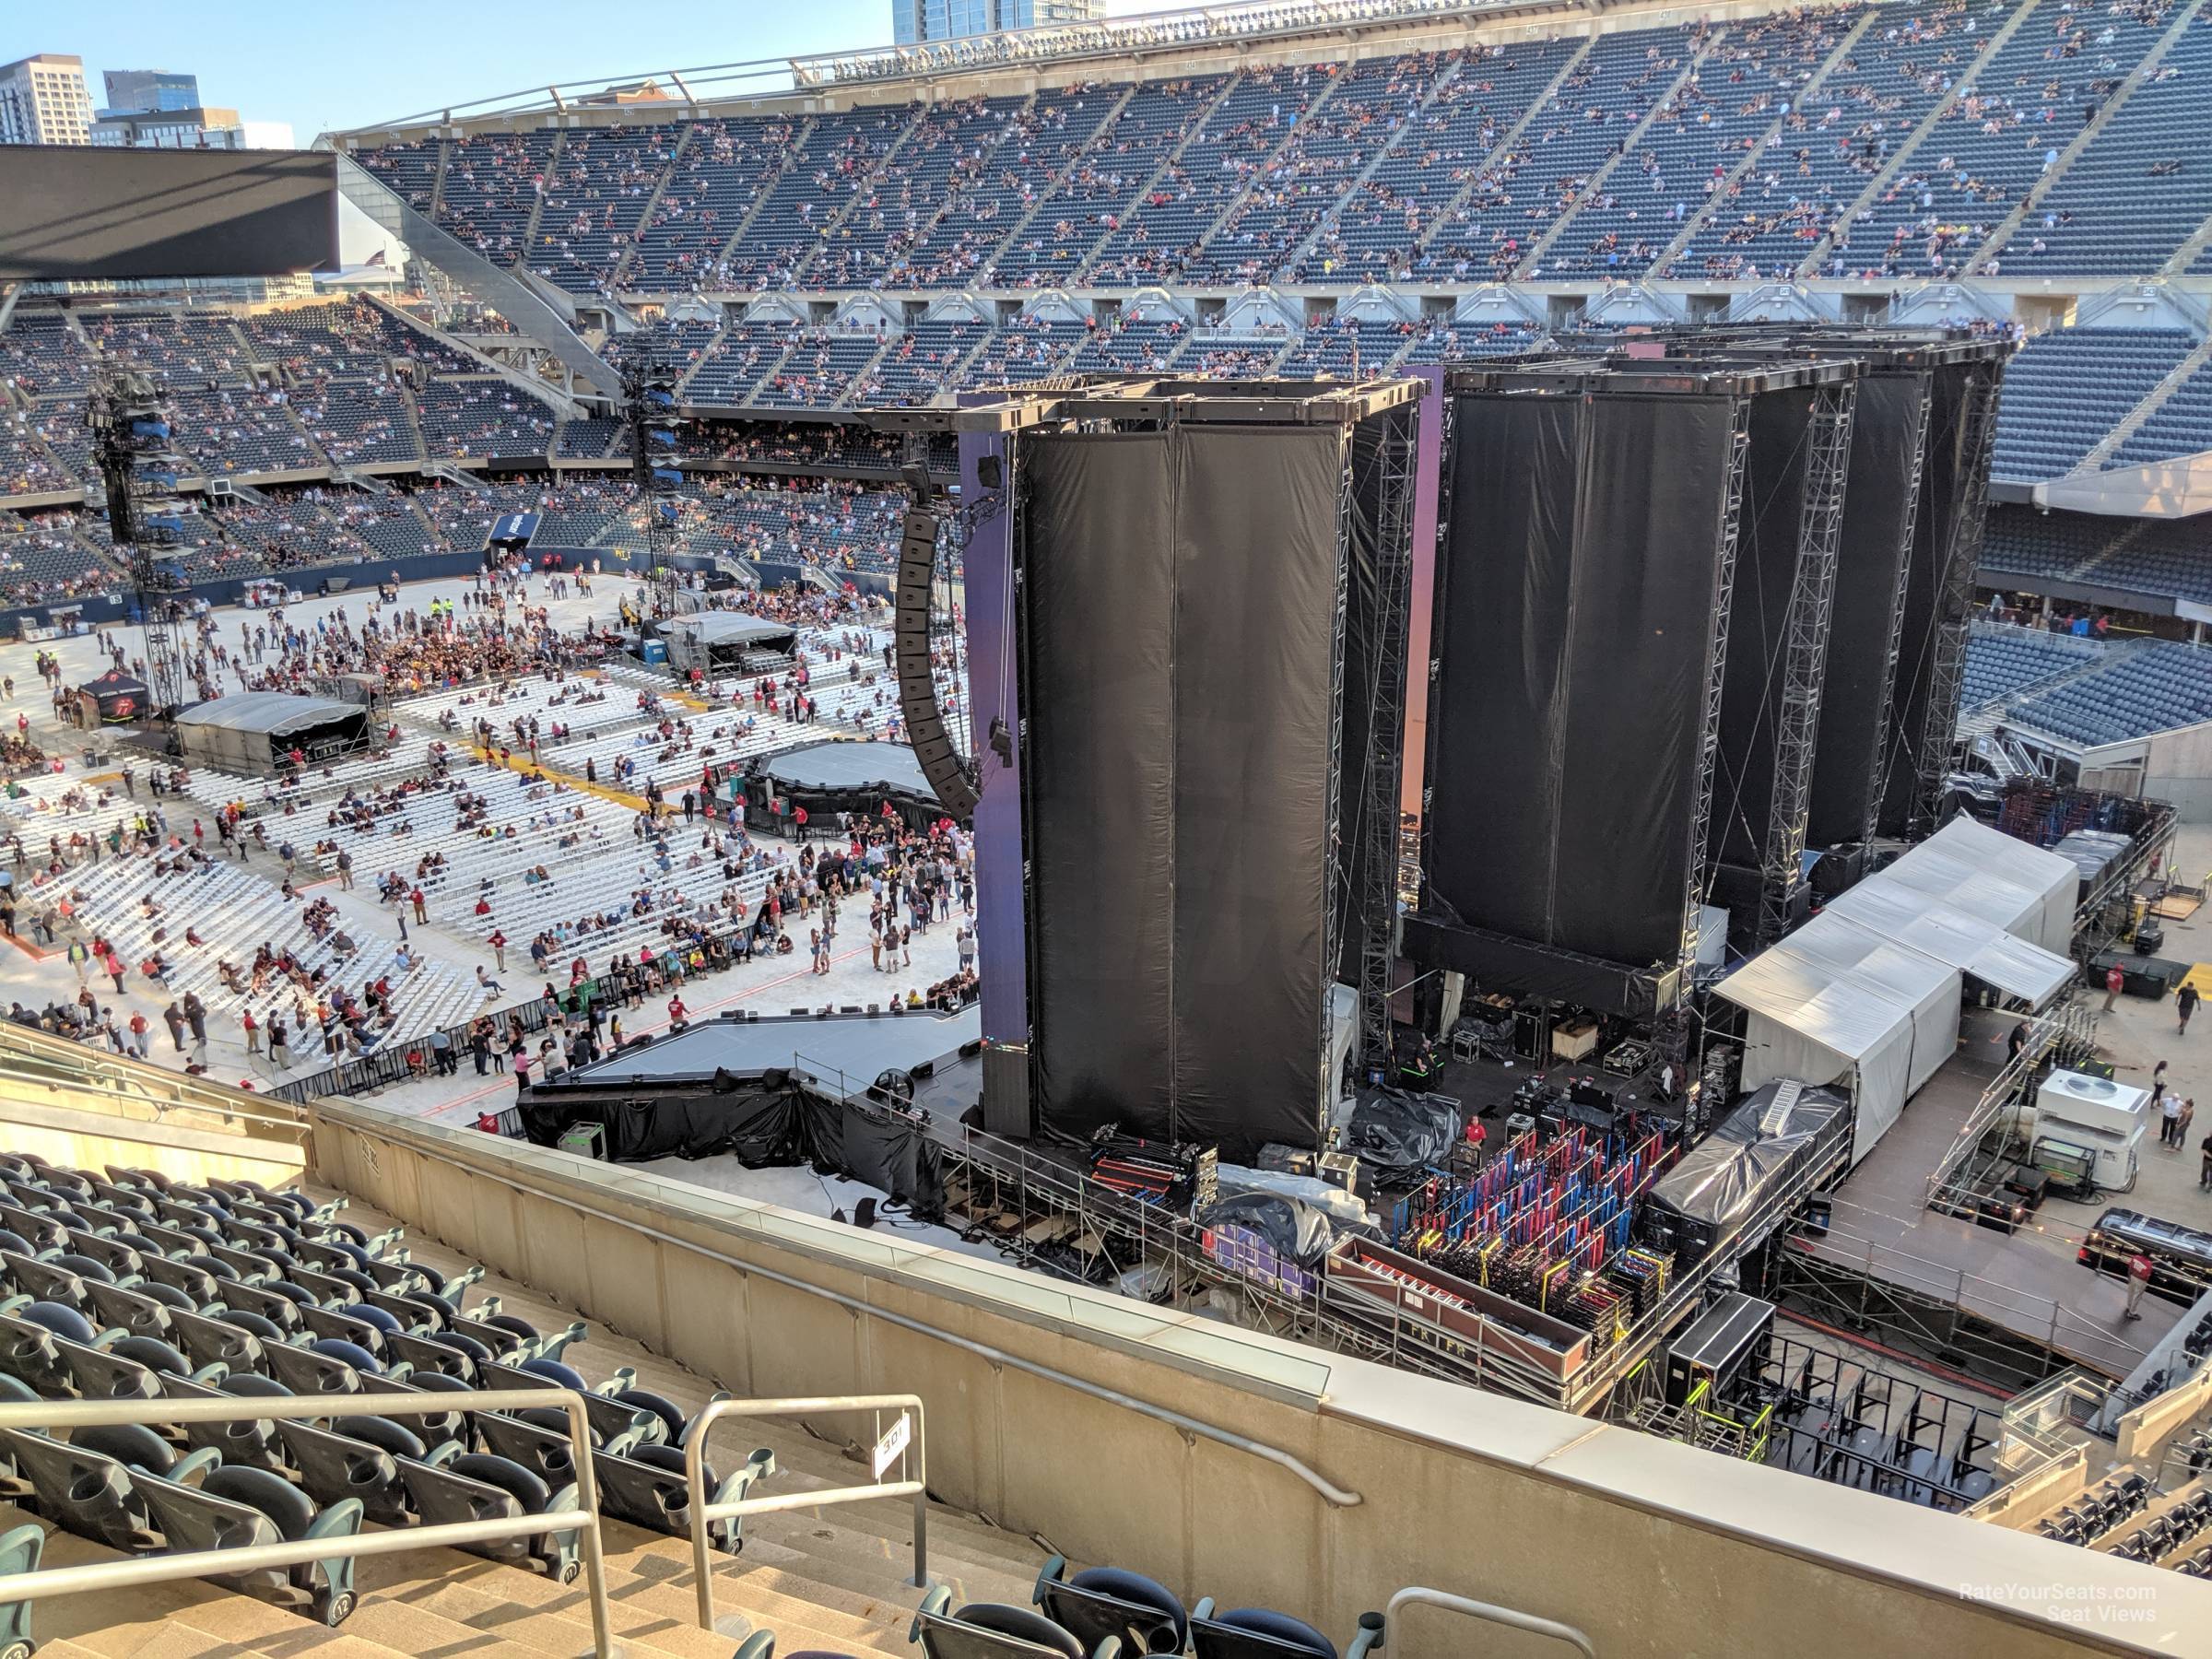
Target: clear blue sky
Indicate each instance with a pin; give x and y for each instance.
(322, 65)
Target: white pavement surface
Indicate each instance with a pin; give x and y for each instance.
(37, 977)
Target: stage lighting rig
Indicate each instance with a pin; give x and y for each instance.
(133, 445)
(650, 407)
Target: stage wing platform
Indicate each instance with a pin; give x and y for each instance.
(2027, 1282)
(850, 766)
(845, 1052)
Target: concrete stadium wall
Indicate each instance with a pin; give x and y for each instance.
(2178, 767)
(87, 1137)
(1654, 1549)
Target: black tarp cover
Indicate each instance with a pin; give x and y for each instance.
(1769, 566)
(1575, 627)
(1887, 434)
(1179, 635)
(1940, 533)
(1400, 1134)
(1722, 1179)
(1295, 1230)
(765, 1119)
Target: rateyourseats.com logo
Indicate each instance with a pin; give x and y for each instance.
(2076, 1603)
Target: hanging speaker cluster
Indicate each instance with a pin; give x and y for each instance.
(933, 745)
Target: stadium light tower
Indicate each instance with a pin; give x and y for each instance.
(649, 404)
(133, 445)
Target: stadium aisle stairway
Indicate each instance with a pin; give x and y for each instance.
(830, 1581)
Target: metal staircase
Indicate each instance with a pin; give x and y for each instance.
(483, 280)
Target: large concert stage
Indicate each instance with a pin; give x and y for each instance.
(845, 1050)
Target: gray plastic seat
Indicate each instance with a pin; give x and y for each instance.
(304, 1372)
(20, 1547)
(645, 1487)
(82, 1489)
(450, 1487)
(237, 1508)
(995, 1631)
(608, 1417)
(337, 1467)
(209, 1340)
(250, 1441)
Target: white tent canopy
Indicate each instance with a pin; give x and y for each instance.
(1835, 1003)
(1868, 991)
(1994, 877)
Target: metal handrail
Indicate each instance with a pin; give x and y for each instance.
(704, 1514)
(162, 1091)
(221, 1564)
(1489, 1612)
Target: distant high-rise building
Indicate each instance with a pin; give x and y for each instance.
(43, 99)
(133, 91)
(913, 21)
(198, 128)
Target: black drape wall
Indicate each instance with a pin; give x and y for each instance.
(1179, 632)
(1887, 434)
(1927, 609)
(1576, 627)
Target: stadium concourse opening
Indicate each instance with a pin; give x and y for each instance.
(1331, 743)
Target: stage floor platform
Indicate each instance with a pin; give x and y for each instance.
(842, 1051)
(2028, 1283)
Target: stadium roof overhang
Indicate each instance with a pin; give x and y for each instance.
(2180, 487)
(1237, 27)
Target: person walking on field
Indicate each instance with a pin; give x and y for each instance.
(2184, 1005)
(2138, 1281)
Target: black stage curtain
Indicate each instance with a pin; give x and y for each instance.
(1180, 632)
(765, 1119)
(1767, 573)
(1099, 776)
(1886, 439)
(1936, 533)
(1575, 627)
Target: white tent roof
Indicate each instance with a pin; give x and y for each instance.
(1872, 983)
(1956, 937)
(1997, 878)
(1834, 999)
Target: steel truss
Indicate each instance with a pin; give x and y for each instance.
(1894, 651)
(137, 481)
(1333, 876)
(638, 411)
(1727, 538)
(1392, 464)
(1805, 653)
(1947, 666)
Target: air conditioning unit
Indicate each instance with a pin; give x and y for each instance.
(2097, 1117)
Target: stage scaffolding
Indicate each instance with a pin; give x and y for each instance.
(1726, 543)
(1947, 669)
(1380, 472)
(1805, 653)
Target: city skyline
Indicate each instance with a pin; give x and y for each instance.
(318, 71)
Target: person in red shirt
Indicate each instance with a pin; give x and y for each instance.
(415, 898)
(499, 948)
(2113, 980)
(678, 1013)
